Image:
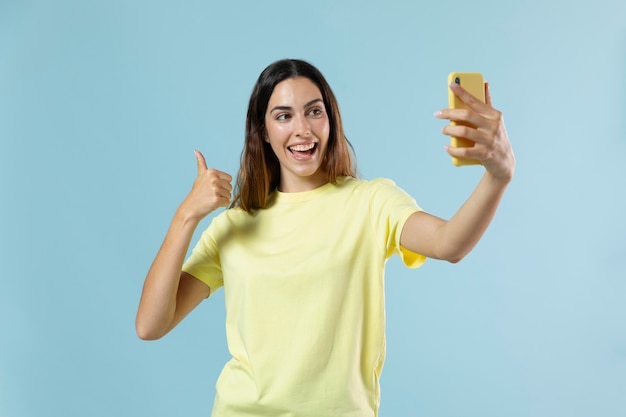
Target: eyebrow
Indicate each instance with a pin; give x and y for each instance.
(315, 100)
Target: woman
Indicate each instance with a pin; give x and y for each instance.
(302, 249)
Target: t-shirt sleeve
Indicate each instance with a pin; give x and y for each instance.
(390, 207)
(204, 261)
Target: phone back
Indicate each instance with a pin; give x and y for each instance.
(473, 82)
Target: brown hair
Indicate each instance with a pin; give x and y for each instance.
(259, 173)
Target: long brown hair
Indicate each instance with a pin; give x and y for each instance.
(259, 173)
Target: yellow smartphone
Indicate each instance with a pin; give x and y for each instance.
(473, 82)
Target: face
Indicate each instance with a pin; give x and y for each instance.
(297, 129)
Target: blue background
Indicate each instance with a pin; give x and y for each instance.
(103, 102)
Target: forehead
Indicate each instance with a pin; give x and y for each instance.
(294, 91)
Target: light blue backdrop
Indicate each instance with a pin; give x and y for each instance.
(103, 102)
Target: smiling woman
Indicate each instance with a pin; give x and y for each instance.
(272, 110)
(297, 130)
(301, 252)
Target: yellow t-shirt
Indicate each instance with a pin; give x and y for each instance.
(304, 291)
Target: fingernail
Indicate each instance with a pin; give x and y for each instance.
(438, 113)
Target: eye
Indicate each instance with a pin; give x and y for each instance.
(282, 116)
(315, 112)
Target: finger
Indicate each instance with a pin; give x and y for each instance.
(465, 96)
(217, 180)
(460, 152)
(225, 176)
(487, 95)
(224, 185)
(462, 116)
(472, 102)
(224, 195)
(200, 161)
(464, 152)
(468, 132)
(222, 176)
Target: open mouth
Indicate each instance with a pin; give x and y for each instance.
(303, 149)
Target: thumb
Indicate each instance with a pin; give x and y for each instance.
(201, 162)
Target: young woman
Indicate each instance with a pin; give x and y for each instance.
(302, 249)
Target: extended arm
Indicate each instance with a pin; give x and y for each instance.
(168, 294)
(452, 240)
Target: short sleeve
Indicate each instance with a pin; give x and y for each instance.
(204, 261)
(390, 208)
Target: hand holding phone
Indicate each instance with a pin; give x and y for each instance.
(472, 82)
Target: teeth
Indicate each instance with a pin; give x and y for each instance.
(303, 147)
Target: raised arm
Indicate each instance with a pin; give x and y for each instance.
(168, 294)
(452, 240)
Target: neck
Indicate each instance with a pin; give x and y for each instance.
(300, 184)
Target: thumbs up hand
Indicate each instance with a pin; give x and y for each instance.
(211, 190)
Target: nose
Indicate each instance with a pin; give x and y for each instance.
(302, 127)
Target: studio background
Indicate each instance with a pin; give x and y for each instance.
(103, 102)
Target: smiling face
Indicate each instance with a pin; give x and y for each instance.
(297, 129)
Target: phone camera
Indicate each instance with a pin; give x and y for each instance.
(457, 80)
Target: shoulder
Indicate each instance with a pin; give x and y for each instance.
(376, 195)
(224, 221)
(350, 183)
(368, 187)
(235, 215)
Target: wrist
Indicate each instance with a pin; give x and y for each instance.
(498, 181)
(186, 217)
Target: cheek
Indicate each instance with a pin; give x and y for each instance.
(269, 134)
(274, 137)
(275, 132)
(323, 129)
